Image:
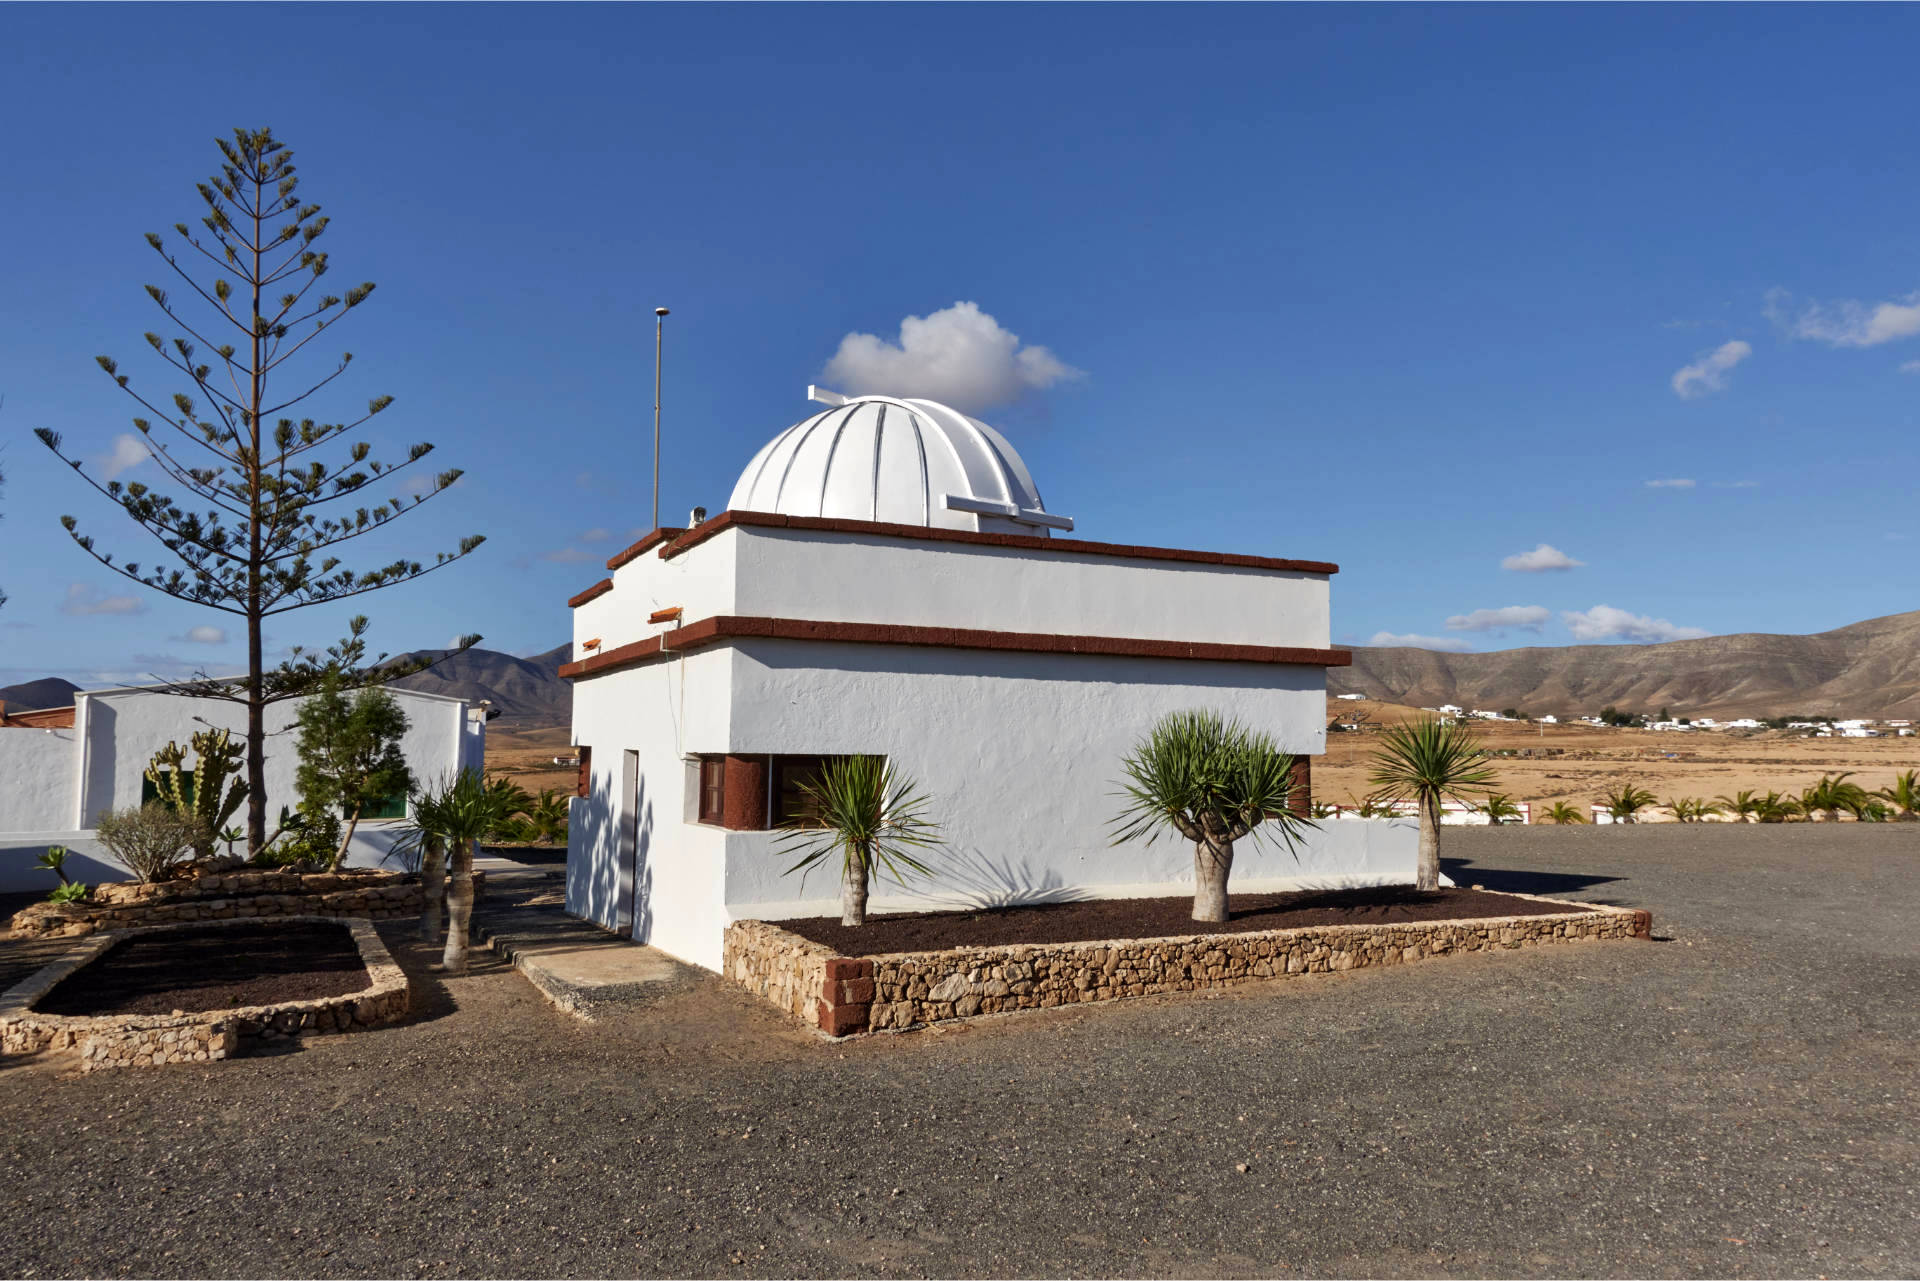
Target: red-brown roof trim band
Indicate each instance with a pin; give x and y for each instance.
(594, 592)
(652, 539)
(713, 631)
(883, 529)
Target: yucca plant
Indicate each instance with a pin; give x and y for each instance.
(448, 822)
(864, 811)
(1776, 807)
(1213, 781)
(1625, 801)
(1904, 793)
(1499, 808)
(1742, 806)
(1427, 762)
(546, 817)
(1562, 813)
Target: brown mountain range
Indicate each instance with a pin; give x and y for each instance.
(1866, 669)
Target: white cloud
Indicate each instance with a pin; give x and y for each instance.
(595, 536)
(566, 556)
(1675, 482)
(1541, 559)
(1911, 367)
(1528, 618)
(128, 452)
(1736, 484)
(1604, 622)
(960, 356)
(83, 599)
(205, 634)
(1848, 323)
(1709, 372)
(1450, 643)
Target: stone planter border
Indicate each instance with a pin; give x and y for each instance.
(842, 995)
(151, 1040)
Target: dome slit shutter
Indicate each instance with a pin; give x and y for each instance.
(801, 444)
(826, 468)
(879, 435)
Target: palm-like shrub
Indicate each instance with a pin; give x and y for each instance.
(1832, 794)
(1427, 762)
(1691, 809)
(448, 822)
(1904, 793)
(1213, 781)
(1499, 808)
(1742, 806)
(150, 839)
(546, 818)
(1776, 807)
(1626, 801)
(862, 809)
(1562, 813)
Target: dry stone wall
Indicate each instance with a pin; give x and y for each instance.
(840, 995)
(119, 1040)
(223, 896)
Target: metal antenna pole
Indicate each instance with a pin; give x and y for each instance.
(659, 328)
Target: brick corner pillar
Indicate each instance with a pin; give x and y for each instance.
(846, 997)
(1300, 790)
(743, 804)
(1642, 924)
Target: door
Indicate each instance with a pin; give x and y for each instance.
(629, 860)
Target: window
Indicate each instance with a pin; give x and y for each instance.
(792, 807)
(583, 785)
(713, 788)
(148, 792)
(394, 806)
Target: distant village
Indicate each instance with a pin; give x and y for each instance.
(1812, 727)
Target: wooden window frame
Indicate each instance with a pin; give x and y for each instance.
(712, 808)
(583, 783)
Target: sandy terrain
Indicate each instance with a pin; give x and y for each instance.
(1576, 763)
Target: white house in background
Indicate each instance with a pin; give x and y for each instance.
(55, 782)
(886, 580)
(1548, 720)
(1350, 698)
(1449, 709)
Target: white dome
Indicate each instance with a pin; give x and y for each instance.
(907, 462)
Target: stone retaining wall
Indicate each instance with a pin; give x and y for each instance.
(151, 1040)
(221, 896)
(842, 995)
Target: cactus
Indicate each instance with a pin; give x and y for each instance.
(213, 800)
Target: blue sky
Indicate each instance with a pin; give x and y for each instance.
(1414, 290)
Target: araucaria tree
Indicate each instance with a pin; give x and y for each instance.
(257, 534)
(350, 753)
(1214, 781)
(1428, 762)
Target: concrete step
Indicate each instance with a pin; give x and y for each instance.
(579, 967)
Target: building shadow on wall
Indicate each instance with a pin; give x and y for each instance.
(642, 873)
(1465, 872)
(964, 877)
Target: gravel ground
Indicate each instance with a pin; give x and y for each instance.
(1738, 1100)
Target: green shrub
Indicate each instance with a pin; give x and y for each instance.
(67, 892)
(150, 839)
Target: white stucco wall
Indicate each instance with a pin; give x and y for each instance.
(121, 729)
(37, 779)
(859, 578)
(1020, 754)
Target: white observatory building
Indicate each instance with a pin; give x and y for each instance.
(887, 580)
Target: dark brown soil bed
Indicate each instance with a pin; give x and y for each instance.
(1148, 918)
(214, 967)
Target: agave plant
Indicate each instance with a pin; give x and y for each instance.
(1625, 801)
(546, 818)
(1904, 793)
(1499, 808)
(1742, 807)
(1426, 762)
(864, 810)
(1562, 813)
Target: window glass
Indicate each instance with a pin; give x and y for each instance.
(387, 807)
(792, 807)
(713, 776)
